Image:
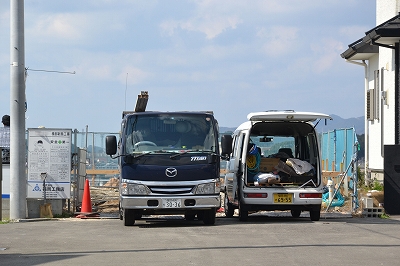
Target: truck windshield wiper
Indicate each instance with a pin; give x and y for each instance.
(141, 154)
(179, 154)
(131, 155)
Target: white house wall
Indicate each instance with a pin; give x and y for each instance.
(385, 125)
(387, 65)
(386, 9)
(374, 130)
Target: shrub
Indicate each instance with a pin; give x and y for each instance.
(376, 185)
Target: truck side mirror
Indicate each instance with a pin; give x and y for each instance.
(111, 145)
(226, 145)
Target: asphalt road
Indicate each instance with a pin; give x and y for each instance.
(262, 240)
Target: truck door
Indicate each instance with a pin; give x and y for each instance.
(234, 167)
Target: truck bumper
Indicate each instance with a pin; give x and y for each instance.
(266, 199)
(156, 203)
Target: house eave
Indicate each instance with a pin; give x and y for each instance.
(385, 34)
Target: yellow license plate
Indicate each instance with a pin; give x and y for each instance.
(283, 198)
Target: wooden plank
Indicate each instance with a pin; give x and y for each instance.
(102, 171)
(336, 177)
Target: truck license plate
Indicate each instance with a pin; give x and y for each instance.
(283, 198)
(171, 203)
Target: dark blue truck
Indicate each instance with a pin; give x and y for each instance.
(169, 164)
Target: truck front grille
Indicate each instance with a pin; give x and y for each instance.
(171, 189)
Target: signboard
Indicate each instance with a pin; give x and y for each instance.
(49, 163)
(5, 144)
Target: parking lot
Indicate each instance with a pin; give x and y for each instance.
(263, 240)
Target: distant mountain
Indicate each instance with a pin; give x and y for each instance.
(226, 129)
(337, 123)
(358, 123)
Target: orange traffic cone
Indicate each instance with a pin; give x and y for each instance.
(86, 201)
(86, 208)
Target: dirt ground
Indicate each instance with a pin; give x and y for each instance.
(105, 200)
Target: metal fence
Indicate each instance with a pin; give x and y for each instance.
(340, 155)
(100, 167)
(338, 149)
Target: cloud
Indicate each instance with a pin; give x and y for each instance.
(208, 25)
(278, 40)
(353, 32)
(74, 29)
(61, 26)
(112, 67)
(327, 53)
(132, 75)
(209, 17)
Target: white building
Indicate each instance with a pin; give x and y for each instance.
(378, 52)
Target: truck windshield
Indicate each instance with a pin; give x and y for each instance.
(170, 132)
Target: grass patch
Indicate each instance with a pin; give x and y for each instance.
(376, 185)
(63, 215)
(384, 216)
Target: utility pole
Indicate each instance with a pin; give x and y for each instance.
(17, 112)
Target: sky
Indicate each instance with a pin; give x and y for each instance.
(231, 57)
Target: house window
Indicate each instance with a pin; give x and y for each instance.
(373, 99)
(376, 94)
(370, 105)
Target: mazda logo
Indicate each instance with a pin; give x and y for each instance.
(171, 172)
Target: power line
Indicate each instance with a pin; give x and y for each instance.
(54, 71)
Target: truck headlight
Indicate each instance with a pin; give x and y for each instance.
(208, 188)
(134, 189)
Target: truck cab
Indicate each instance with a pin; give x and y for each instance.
(169, 164)
(273, 163)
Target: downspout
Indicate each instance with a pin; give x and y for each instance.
(397, 92)
(383, 102)
(366, 165)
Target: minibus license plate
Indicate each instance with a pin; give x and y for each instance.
(283, 198)
(171, 203)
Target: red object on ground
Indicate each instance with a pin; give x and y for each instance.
(86, 201)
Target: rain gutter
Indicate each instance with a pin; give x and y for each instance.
(366, 87)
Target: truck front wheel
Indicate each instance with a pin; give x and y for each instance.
(129, 217)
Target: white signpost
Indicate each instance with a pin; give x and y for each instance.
(49, 163)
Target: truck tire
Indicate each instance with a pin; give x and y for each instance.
(209, 216)
(138, 214)
(121, 217)
(243, 212)
(228, 207)
(315, 213)
(295, 213)
(129, 217)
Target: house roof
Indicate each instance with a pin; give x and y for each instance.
(385, 34)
